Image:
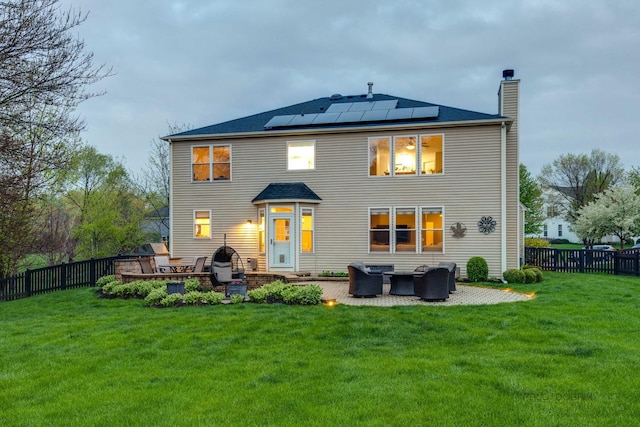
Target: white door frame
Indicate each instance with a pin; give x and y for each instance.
(281, 251)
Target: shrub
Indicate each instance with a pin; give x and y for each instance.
(171, 300)
(237, 298)
(534, 242)
(302, 295)
(530, 275)
(105, 280)
(213, 298)
(155, 296)
(107, 289)
(194, 298)
(477, 269)
(191, 285)
(514, 276)
(258, 295)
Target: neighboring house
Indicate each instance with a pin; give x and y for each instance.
(372, 177)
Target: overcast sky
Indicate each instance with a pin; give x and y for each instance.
(200, 62)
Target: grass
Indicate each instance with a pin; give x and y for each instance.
(568, 357)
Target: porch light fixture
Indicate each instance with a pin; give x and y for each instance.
(249, 222)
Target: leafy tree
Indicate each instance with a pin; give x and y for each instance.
(615, 211)
(577, 179)
(531, 198)
(633, 178)
(108, 211)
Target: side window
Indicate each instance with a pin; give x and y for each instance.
(432, 231)
(221, 162)
(306, 226)
(201, 224)
(261, 236)
(379, 230)
(301, 155)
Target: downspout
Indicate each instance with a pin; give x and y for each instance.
(170, 197)
(503, 196)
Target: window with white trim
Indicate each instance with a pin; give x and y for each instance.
(432, 235)
(301, 155)
(405, 230)
(211, 163)
(261, 235)
(306, 228)
(379, 230)
(403, 155)
(201, 224)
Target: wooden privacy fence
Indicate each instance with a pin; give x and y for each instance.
(58, 277)
(585, 260)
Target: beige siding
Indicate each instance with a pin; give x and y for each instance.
(469, 189)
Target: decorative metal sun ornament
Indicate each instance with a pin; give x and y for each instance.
(458, 229)
(487, 225)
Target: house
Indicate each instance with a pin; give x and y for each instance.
(372, 177)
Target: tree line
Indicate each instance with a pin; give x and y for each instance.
(592, 192)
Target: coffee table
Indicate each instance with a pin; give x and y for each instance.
(402, 282)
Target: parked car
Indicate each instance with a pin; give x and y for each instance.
(636, 246)
(602, 248)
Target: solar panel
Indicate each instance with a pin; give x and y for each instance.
(389, 104)
(302, 119)
(326, 118)
(361, 106)
(374, 115)
(400, 113)
(355, 112)
(279, 121)
(349, 117)
(339, 107)
(425, 112)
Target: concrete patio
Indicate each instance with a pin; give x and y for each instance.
(464, 295)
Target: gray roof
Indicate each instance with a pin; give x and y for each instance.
(287, 191)
(257, 122)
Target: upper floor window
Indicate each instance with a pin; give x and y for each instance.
(301, 155)
(211, 162)
(201, 224)
(406, 155)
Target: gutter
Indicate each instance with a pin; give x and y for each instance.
(354, 129)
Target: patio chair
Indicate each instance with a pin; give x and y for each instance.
(363, 282)
(452, 273)
(433, 285)
(145, 265)
(162, 264)
(198, 264)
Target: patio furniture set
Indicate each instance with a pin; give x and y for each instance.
(428, 283)
(165, 265)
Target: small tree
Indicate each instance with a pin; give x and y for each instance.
(616, 211)
(531, 197)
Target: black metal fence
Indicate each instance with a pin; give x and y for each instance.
(585, 260)
(64, 276)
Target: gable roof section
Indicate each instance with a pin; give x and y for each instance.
(257, 122)
(287, 191)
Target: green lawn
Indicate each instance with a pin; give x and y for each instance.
(569, 357)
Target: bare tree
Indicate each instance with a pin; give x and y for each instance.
(44, 73)
(154, 182)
